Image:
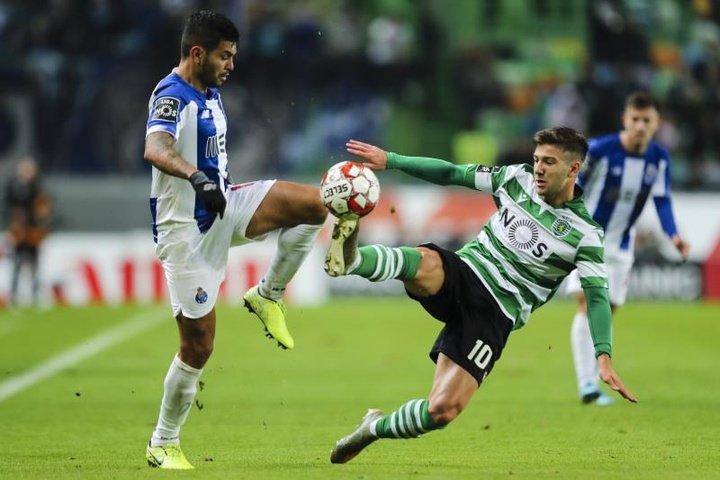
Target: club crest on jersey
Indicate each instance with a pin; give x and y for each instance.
(561, 227)
(651, 172)
(166, 109)
(201, 296)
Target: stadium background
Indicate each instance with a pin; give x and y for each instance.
(469, 83)
(459, 79)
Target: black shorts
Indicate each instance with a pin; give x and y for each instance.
(475, 330)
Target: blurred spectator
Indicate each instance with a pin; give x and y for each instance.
(390, 50)
(566, 106)
(80, 68)
(619, 56)
(476, 84)
(694, 97)
(28, 215)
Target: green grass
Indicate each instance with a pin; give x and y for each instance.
(276, 414)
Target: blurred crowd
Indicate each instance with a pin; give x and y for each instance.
(311, 73)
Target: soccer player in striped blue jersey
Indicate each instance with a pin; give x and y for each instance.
(621, 172)
(198, 214)
(540, 233)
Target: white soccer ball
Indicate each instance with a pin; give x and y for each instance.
(349, 187)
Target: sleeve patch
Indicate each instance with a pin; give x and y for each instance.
(485, 169)
(166, 109)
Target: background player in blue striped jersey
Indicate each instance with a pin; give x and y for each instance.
(198, 214)
(621, 172)
(540, 233)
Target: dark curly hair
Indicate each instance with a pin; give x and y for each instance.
(207, 29)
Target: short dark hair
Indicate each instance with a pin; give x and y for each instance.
(207, 29)
(568, 139)
(642, 100)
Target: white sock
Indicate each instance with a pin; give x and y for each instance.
(586, 367)
(180, 388)
(293, 246)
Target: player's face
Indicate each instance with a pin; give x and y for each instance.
(640, 125)
(217, 64)
(554, 174)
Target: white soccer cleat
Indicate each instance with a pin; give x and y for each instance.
(348, 447)
(343, 246)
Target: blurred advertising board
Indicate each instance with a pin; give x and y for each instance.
(82, 268)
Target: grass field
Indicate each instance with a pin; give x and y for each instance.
(276, 414)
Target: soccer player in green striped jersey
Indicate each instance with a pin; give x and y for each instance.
(540, 233)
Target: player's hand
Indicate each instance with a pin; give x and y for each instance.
(374, 157)
(608, 375)
(682, 246)
(209, 192)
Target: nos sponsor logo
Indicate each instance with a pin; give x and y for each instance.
(523, 233)
(166, 109)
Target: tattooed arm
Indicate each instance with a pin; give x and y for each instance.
(160, 153)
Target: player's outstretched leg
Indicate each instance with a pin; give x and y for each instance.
(348, 447)
(168, 457)
(411, 420)
(272, 314)
(343, 247)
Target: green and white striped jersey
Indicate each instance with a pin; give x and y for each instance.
(528, 247)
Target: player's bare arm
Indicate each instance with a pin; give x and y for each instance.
(608, 375)
(681, 245)
(160, 153)
(375, 157)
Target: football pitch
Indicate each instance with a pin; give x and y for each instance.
(80, 392)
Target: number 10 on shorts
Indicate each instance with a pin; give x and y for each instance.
(480, 354)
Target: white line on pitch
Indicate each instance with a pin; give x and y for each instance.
(109, 338)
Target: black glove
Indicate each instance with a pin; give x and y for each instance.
(209, 192)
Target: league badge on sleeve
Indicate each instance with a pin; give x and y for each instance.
(166, 109)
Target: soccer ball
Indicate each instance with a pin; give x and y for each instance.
(349, 187)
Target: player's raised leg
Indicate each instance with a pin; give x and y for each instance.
(297, 211)
(375, 262)
(342, 254)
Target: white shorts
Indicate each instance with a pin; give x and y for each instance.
(618, 271)
(195, 262)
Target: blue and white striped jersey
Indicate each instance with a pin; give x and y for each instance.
(198, 124)
(617, 185)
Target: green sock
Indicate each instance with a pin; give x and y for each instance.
(411, 420)
(378, 263)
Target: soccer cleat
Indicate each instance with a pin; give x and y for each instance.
(348, 447)
(597, 398)
(169, 457)
(272, 314)
(343, 246)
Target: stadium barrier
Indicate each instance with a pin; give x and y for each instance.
(114, 268)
